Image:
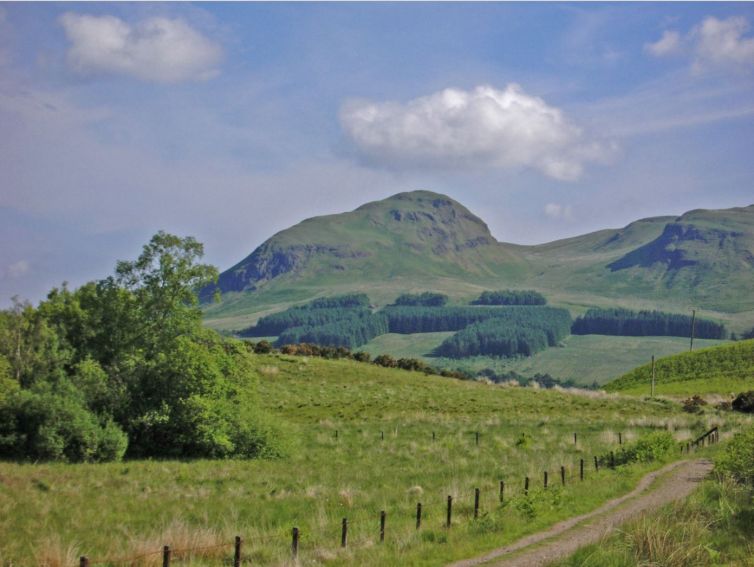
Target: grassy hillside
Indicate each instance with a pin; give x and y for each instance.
(362, 443)
(723, 369)
(418, 241)
(584, 359)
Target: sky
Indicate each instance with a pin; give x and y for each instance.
(232, 121)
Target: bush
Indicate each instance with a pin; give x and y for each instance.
(737, 458)
(694, 404)
(653, 446)
(744, 402)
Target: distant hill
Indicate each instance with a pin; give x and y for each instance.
(425, 241)
(721, 369)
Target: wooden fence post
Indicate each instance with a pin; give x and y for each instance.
(574, 439)
(450, 511)
(294, 543)
(562, 475)
(166, 556)
(545, 479)
(612, 460)
(477, 438)
(581, 469)
(433, 436)
(418, 515)
(237, 552)
(596, 464)
(502, 490)
(382, 435)
(382, 526)
(620, 438)
(336, 433)
(476, 503)
(526, 486)
(83, 561)
(344, 532)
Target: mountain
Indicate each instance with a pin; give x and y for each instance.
(422, 240)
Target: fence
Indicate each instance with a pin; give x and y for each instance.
(170, 555)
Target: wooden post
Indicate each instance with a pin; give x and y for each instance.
(575, 439)
(336, 433)
(83, 561)
(344, 532)
(450, 511)
(526, 486)
(693, 325)
(620, 438)
(433, 436)
(581, 469)
(476, 503)
(418, 515)
(382, 526)
(596, 464)
(545, 479)
(653, 376)
(237, 552)
(294, 543)
(502, 490)
(382, 435)
(166, 556)
(562, 475)
(477, 438)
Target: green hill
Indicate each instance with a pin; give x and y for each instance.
(418, 241)
(721, 369)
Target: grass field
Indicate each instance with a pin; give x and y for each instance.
(54, 513)
(725, 369)
(585, 359)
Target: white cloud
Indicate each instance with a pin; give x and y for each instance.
(669, 44)
(158, 49)
(720, 43)
(17, 269)
(559, 212)
(713, 45)
(483, 127)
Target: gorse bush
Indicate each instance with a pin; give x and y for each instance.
(123, 366)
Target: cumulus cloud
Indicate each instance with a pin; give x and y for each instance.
(160, 50)
(669, 44)
(721, 43)
(482, 127)
(714, 44)
(558, 212)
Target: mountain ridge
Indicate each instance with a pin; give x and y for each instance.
(420, 240)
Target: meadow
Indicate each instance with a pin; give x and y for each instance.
(363, 439)
(585, 359)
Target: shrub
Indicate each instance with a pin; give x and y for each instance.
(737, 458)
(694, 404)
(744, 402)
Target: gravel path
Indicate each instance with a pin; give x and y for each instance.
(566, 537)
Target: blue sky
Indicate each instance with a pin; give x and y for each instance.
(231, 121)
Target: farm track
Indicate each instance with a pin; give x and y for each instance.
(677, 481)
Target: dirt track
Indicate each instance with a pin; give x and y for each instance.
(566, 537)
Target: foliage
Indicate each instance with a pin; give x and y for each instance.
(737, 458)
(427, 299)
(510, 297)
(515, 331)
(654, 446)
(733, 362)
(625, 322)
(351, 329)
(744, 402)
(694, 404)
(124, 364)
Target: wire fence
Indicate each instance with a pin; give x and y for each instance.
(238, 548)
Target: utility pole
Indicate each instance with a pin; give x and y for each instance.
(653, 376)
(693, 323)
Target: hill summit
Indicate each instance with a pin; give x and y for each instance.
(421, 240)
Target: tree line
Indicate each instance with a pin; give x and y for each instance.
(510, 297)
(123, 366)
(625, 322)
(427, 299)
(521, 331)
